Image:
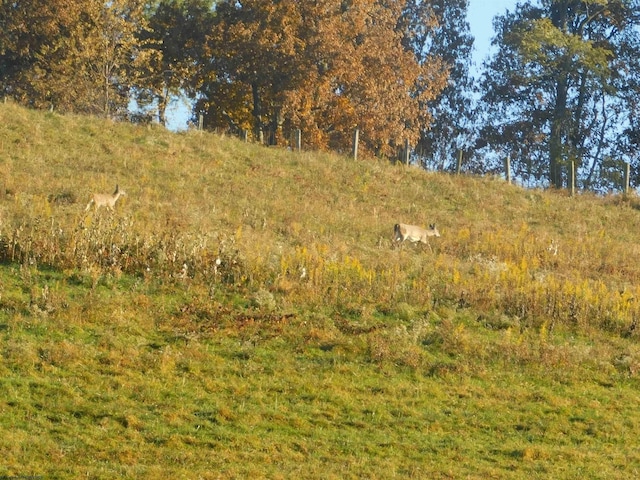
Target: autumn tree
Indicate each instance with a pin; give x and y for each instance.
(323, 66)
(252, 64)
(557, 92)
(28, 30)
(80, 56)
(362, 71)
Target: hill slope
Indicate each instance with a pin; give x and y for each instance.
(243, 313)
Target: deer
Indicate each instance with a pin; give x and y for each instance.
(105, 199)
(402, 232)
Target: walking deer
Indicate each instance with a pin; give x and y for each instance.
(105, 199)
(414, 234)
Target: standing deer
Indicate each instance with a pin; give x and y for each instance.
(105, 200)
(414, 234)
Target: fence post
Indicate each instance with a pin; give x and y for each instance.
(459, 166)
(298, 139)
(356, 138)
(201, 122)
(627, 175)
(572, 177)
(507, 168)
(406, 151)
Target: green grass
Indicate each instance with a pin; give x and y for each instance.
(177, 337)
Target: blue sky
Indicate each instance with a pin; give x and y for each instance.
(481, 13)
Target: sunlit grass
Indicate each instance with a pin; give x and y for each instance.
(244, 314)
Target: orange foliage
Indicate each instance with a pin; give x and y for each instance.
(327, 67)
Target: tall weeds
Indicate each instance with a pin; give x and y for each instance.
(310, 229)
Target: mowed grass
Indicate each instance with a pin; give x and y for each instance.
(244, 314)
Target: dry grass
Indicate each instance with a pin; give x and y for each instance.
(243, 313)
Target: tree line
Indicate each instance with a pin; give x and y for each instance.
(562, 90)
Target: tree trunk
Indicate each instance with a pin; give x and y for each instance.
(162, 106)
(557, 133)
(558, 122)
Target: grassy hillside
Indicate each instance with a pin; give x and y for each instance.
(244, 314)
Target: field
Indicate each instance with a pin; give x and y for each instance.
(244, 313)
